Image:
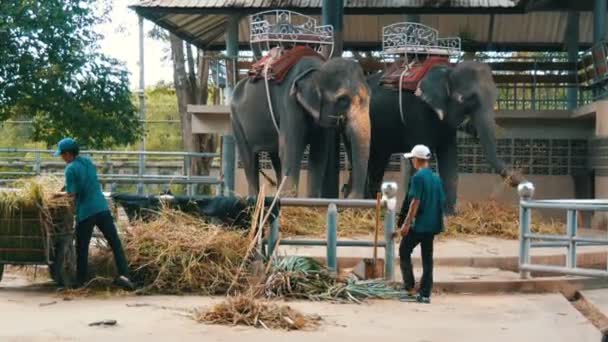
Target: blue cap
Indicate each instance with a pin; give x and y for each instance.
(66, 145)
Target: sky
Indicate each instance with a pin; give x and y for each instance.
(121, 42)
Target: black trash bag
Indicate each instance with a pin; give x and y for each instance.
(234, 212)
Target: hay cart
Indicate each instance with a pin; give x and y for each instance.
(35, 236)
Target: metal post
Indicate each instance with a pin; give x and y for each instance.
(37, 165)
(389, 249)
(332, 238)
(572, 36)
(571, 231)
(228, 144)
(188, 166)
(523, 240)
(599, 21)
(389, 193)
(273, 237)
(142, 106)
(525, 191)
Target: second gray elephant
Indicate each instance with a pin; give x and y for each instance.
(446, 98)
(314, 99)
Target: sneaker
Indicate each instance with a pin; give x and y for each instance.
(125, 283)
(409, 296)
(423, 300)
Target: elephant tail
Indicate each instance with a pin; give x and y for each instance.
(268, 179)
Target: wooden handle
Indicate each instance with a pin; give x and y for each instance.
(378, 207)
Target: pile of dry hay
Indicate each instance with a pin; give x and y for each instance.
(488, 218)
(493, 219)
(179, 253)
(312, 221)
(245, 310)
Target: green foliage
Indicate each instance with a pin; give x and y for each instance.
(51, 71)
(161, 104)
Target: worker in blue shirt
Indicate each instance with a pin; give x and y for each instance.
(424, 203)
(82, 184)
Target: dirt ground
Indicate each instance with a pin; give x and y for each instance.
(37, 313)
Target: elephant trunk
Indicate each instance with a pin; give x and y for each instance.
(358, 132)
(486, 132)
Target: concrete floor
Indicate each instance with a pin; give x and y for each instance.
(38, 314)
(599, 298)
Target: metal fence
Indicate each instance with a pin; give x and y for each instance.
(17, 163)
(571, 240)
(389, 191)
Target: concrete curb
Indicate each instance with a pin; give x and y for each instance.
(510, 263)
(564, 285)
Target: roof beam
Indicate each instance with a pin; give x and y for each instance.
(146, 11)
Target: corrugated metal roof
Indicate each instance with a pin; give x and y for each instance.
(317, 3)
(202, 22)
(364, 31)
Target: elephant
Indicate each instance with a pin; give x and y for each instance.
(316, 101)
(448, 99)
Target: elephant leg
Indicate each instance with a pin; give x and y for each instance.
(317, 163)
(291, 151)
(447, 161)
(378, 160)
(276, 165)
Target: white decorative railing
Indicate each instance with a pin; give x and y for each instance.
(416, 38)
(285, 28)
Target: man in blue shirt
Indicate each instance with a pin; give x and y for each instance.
(423, 220)
(82, 184)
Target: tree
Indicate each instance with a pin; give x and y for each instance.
(52, 72)
(191, 87)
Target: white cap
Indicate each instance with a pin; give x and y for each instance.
(419, 152)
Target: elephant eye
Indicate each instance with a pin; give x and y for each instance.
(343, 102)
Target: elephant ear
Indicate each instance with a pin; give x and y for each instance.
(434, 89)
(307, 93)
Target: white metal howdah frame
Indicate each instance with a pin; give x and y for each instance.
(571, 240)
(416, 38)
(285, 28)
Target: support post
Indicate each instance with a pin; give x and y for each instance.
(332, 238)
(389, 249)
(273, 237)
(599, 21)
(572, 227)
(525, 191)
(142, 107)
(572, 37)
(228, 144)
(333, 14)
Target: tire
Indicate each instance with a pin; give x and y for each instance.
(1, 271)
(63, 266)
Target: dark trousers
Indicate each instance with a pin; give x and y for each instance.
(408, 243)
(84, 231)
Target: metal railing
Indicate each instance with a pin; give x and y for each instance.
(571, 240)
(389, 191)
(31, 163)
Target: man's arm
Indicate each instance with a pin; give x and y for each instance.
(411, 215)
(69, 190)
(416, 192)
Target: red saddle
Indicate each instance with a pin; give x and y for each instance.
(279, 61)
(413, 75)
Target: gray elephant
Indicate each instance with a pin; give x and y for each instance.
(314, 101)
(447, 99)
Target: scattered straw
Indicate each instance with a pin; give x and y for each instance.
(493, 219)
(312, 221)
(244, 310)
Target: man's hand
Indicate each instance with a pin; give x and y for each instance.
(405, 229)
